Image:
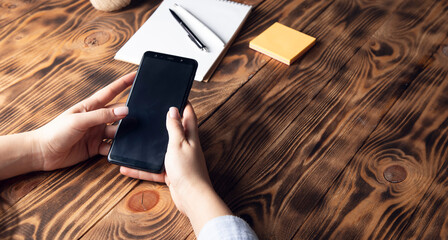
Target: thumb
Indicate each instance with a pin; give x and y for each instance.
(90, 119)
(174, 126)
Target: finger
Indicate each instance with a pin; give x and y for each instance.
(115, 105)
(109, 131)
(174, 126)
(190, 123)
(108, 93)
(86, 120)
(133, 173)
(104, 148)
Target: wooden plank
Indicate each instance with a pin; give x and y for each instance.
(429, 134)
(241, 63)
(222, 84)
(15, 189)
(12, 190)
(315, 11)
(61, 209)
(192, 236)
(11, 10)
(430, 219)
(377, 194)
(297, 154)
(215, 92)
(93, 38)
(103, 76)
(106, 73)
(59, 86)
(342, 61)
(147, 212)
(80, 40)
(61, 77)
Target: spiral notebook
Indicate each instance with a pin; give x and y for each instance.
(162, 33)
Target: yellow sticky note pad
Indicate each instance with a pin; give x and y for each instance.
(282, 43)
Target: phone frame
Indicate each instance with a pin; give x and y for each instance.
(133, 163)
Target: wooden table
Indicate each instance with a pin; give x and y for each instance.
(349, 142)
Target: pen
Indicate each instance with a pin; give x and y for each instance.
(198, 25)
(189, 32)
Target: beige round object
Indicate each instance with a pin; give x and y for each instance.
(109, 5)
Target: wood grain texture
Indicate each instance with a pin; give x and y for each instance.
(247, 161)
(315, 10)
(100, 77)
(57, 78)
(80, 39)
(429, 134)
(275, 186)
(76, 90)
(362, 204)
(242, 63)
(12, 190)
(192, 236)
(68, 204)
(280, 141)
(147, 212)
(11, 10)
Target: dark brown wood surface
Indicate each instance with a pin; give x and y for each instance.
(349, 142)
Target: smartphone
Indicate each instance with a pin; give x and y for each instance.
(162, 81)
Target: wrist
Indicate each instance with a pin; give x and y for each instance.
(202, 205)
(194, 196)
(18, 155)
(35, 157)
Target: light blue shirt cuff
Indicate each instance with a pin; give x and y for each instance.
(226, 228)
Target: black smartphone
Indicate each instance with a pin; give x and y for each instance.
(162, 81)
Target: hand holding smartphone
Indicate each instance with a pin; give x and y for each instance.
(162, 81)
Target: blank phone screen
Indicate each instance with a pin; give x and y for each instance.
(141, 139)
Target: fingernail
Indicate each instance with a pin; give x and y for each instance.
(120, 111)
(174, 114)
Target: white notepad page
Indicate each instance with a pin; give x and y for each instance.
(162, 33)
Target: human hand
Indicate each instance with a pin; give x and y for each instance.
(185, 166)
(186, 173)
(78, 133)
